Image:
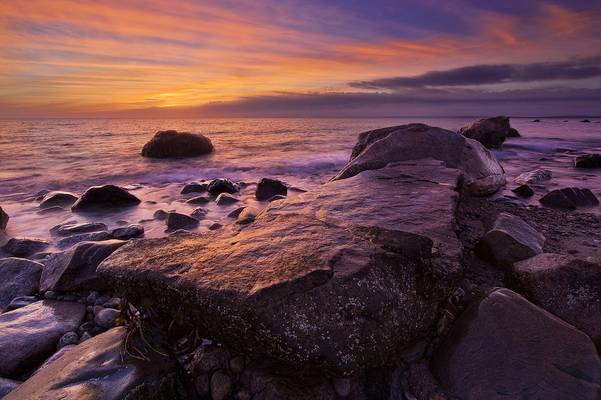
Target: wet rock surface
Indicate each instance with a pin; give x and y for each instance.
(171, 144)
(491, 132)
(72, 240)
(68, 229)
(128, 232)
(569, 198)
(18, 277)
(481, 172)
(25, 247)
(180, 221)
(535, 177)
(29, 334)
(75, 269)
(58, 199)
(566, 286)
(222, 185)
(505, 347)
(105, 197)
(75, 375)
(267, 188)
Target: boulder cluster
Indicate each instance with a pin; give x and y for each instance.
(386, 282)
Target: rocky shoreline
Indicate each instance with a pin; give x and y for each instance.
(400, 278)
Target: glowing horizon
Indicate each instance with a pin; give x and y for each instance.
(68, 57)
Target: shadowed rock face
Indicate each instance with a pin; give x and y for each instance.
(18, 277)
(481, 172)
(29, 334)
(93, 370)
(504, 347)
(339, 279)
(491, 132)
(168, 144)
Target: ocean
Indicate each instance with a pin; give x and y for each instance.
(74, 154)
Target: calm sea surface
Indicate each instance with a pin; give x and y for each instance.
(74, 154)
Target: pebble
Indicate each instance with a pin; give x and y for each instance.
(67, 339)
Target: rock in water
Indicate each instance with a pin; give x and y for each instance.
(194, 188)
(510, 240)
(75, 269)
(105, 197)
(513, 133)
(3, 219)
(168, 144)
(523, 191)
(226, 199)
(69, 241)
(128, 232)
(29, 334)
(481, 172)
(536, 177)
(267, 188)
(491, 132)
(68, 229)
(25, 247)
(366, 259)
(566, 286)
(95, 370)
(180, 221)
(588, 161)
(18, 277)
(507, 348)
(569, 198)
(222, 185)
(58, 199)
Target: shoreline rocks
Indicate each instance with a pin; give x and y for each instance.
(105, 197)
(25, 247)
(173, 144)
(58, 199)
(18, 277)
(491, 132)
(569, 198)
(267, 188)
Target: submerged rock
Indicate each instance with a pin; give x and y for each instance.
(356, 273)
(505, 347)
(569, 198)
(18, 277)
(510, 240)
(58, 199)
(97, 369)
(481, 172)
(25, 247)
(105, 197)
(180, 221)
(168, 144)
(75, 269)
(222, 185)
(128, 232)
(588, 161)
(536, 177)
(566, 286)
(29, 334)
(491, 132)
(3, 219)
(267, 188)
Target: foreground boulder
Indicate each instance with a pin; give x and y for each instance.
(510, 240)
(18, 277)
(504, 347)
(566, 286)
(3, 219)
(105, 197)
(481, 172)
(569, 198)
(98, 369)
(75, 269)
(25, 247)
(339, 279)
(267, 188)
(588, 161)
(29, 334)
(168, 144)
(58, 199)
(491, 132)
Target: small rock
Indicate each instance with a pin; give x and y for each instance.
(68, 339)
(171, 143)
(267, 188)
(586, 120)
(128, 232)
(588, 161)
(3, 219)
(536, 177)
(491, 132)
(25, 247)
(106, 318)
(18, 277)
(198, 200)
(236, 212)
(179, 221)
(222, 185)
(194, 188)
(58, 199)
(105, 197)
(199, 213)
(160, 215)
(510, 240)
(569, 198)
(536, 120)
(225, 199)
(215, 226)
(247, 216)
(523, 191)
(83, 237)
(221, 385)
(72, 229)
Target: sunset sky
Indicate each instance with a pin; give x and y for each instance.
(61, 58)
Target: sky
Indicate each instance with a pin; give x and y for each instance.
(271, 58)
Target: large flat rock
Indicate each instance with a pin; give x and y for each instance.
(94, 370)
(29, 334)
(505, 347)
(340, 278)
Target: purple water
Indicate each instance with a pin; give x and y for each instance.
(74, 154)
